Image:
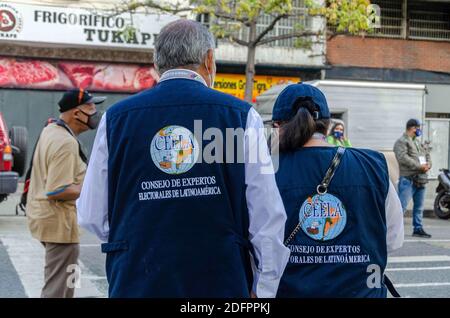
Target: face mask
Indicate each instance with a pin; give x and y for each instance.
(418, 132)
(338, 134)
(93, 120)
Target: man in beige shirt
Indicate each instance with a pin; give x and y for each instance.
(56, 178)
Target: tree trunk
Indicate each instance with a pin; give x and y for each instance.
(250, 66)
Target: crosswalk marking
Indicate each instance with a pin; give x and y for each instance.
(419, 259)
(27, 256)
(425, 240)
(437, 268)
(422, 285)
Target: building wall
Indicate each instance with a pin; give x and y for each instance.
(278, 55)
(284, 56)
(389, 53)
(226, 52)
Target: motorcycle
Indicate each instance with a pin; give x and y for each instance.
(442, 201)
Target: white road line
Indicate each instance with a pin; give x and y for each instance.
(437, 268)
(426, 240)
(96, 245)
(93, 277)
(419, 259)
(27, 256)
(422, 285)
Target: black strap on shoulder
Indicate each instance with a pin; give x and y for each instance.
(322, 188)
(23, 198)
(390, 287)
(83, 157)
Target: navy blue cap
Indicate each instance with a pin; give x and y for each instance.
(283, 108)
(76, 97)
(413, 123)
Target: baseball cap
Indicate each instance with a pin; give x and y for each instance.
(76, 97)
(413, 123)
(283, 108)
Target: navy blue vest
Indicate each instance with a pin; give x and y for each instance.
(177, 229)
(340, 265)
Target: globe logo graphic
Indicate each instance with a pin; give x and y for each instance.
(323, 217)
(174, 149)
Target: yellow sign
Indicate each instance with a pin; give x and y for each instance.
(234, 84)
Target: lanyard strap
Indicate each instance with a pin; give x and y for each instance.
(181, 73)
(417, 146)
(322, 188)
(83, 157)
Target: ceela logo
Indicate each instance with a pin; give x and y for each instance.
(10, 21)
(174, 149)
(323, 217)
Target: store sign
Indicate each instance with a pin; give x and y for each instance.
(234, 84)
(79, 27)
(62, 75)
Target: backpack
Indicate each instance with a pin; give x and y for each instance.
(21, 206)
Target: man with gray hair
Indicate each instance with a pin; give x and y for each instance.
(178, 224)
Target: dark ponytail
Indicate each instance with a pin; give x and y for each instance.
(296, 132)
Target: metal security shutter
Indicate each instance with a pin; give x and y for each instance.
(32, 108)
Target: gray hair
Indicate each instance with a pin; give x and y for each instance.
(182, 43)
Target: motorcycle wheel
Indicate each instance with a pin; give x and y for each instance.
(442, 205)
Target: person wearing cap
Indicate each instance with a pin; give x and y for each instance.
(177, 222)
(414, 163)
(336, 137)
(58, 168)
(343, 214)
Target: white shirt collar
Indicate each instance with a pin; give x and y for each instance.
(177, 73)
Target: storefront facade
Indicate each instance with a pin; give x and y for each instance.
(46, 49)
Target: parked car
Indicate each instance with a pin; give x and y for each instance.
(13, 155)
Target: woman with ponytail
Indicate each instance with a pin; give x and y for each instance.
(343, 214)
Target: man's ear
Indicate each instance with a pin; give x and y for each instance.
(210, 59)
(76, 112)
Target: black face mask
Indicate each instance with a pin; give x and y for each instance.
(93, 120)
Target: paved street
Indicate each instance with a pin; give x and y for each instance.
(22, 259)
(420, 269)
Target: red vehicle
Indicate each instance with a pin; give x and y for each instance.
(13, 153)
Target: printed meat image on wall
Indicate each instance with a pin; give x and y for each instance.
(31, 74)
(63, 75)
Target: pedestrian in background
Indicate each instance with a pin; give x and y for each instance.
(337, 137)
(181, 242)
(58, 168)
(343, 214)
(414, 162)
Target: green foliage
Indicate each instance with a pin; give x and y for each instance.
(303, 43)
(229, 16)
(128, 32)
(352, 16)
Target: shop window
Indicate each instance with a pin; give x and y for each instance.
(284, 26)
(408, 19)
